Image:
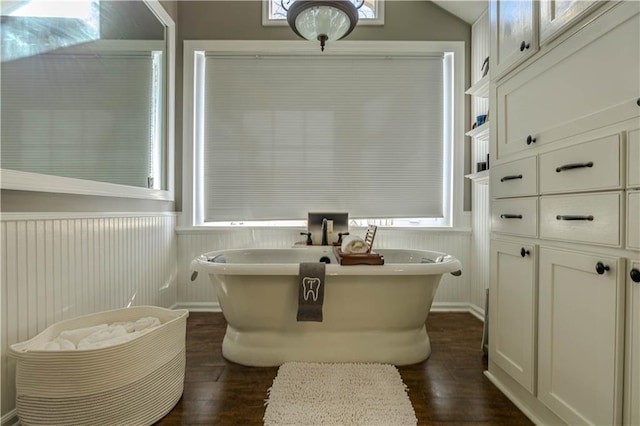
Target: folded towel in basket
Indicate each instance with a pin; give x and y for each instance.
(354, 244)
(310, 292)
(103, 335)
(79, 334)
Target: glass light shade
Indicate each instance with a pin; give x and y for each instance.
(324, 20)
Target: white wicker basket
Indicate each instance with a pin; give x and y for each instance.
(133, 383)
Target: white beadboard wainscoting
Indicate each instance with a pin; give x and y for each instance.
(56, 266)
(480, 248)
(453, 292)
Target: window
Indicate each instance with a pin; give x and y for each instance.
(278, 135)
(274, 13)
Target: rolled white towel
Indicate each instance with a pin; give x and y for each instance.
(59, 344)
(353, 244)
(116, 340)
(146, 323)
(65, 345)
(51, 346)
(109, 333)
(78, 334)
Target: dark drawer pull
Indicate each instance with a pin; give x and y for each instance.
(573, 217)
(510, 216)
(635, 275)
(601, 268)
(513, 177)
(530, 140)
(524, 252)
(524, 45)
(574, 166)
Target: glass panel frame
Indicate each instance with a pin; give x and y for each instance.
(28, 181)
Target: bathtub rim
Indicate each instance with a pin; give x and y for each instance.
(450, 264)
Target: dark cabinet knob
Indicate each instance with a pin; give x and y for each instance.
(601, 268)
(524, 252)
(635, 275)
(638, 101)
(530, 140)
(523, 46)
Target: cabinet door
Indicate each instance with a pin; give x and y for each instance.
(633, 157)
(512, 310)
(557, 16)
(633, 220)
(536, 106)
(632, 373)
(512, 34)
(580, 336)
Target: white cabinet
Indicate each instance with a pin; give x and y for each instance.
(512, 34)
(565, 178)
(580, 336)
(555, 16)
(513, 310)
(537, 106)
(632, 365)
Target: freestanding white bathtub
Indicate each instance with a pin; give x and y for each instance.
(370, 313)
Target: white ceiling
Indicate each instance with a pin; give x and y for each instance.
(467, 10)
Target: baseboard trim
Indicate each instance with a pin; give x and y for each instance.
(458, 307)
(10, 419)
(527, 403)
(436, 307)
(198, 306)
(476, 311)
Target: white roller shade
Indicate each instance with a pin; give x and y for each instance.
(80, 116)
(287, 135)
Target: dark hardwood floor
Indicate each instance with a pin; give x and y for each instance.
(447, 389)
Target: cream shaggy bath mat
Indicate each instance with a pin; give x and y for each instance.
(338, 394)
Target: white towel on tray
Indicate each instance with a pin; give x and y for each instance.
(352, 244)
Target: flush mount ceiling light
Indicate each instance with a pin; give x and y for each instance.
(322, 20)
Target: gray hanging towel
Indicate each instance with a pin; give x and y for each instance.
(310, 291)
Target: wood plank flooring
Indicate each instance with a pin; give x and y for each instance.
(447, 389)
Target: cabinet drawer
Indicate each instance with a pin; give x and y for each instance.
(537, 106)
(633, 159)
(590, 166)
(633, 220)
(517, 216)
(589, 218)
(517, 178)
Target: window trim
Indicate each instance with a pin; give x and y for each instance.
(457, 218)
(268, 22)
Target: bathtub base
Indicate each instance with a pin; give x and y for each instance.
(270, 348)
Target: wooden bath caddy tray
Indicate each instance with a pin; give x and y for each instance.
(368, 258)
(358, 258)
